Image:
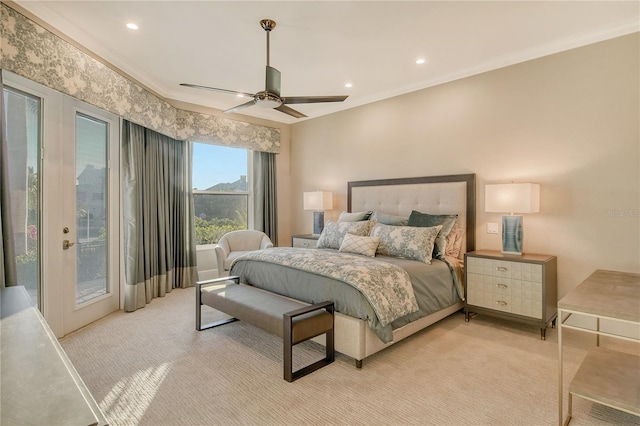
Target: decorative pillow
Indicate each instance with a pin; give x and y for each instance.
(406, 241)
(427, 220)
(333, 233)
(454, 242)
(360, 245)
(389, 219)
(354, 217)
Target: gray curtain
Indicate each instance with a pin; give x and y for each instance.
(7, 252)
(159, 235)
(265, 200)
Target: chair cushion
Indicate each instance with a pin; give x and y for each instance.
(233, 256)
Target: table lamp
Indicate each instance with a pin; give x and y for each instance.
(512, 198)
(318, 201)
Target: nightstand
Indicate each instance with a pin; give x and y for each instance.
(520, 288)
(304, 241)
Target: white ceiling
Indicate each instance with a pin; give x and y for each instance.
(320, 45)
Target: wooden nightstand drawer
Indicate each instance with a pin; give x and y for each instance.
(522, 288)
(512, 295)
(505, 269)
(304, 241)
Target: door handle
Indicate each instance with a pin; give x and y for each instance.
(66, 244)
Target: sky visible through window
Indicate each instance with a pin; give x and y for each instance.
(213, 164)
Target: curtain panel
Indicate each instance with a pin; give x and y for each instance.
(7, 252)
(158, 219)
(265, 199)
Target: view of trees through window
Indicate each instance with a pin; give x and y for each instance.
(221, 191)
(22, 116)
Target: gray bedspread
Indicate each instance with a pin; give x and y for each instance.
(433, 285)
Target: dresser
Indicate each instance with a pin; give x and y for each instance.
(305, 241)
(515, 287)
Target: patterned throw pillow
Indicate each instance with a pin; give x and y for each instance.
(358, 244)
(334, 232)
(427, 220)
(406, 241)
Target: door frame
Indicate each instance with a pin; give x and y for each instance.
(52, 288)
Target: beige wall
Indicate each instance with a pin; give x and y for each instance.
(569, 122)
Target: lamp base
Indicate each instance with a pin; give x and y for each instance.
(512, 234)
(318, 222)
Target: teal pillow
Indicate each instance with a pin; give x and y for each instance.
(427, 220)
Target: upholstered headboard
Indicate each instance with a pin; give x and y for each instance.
(433, 194)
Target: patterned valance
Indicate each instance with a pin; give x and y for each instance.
(31, 51)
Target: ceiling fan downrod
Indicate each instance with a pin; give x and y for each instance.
(268, 25)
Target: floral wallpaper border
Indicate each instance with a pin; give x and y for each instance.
(33, 52)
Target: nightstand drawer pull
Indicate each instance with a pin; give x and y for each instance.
(502, 286)
(501, 303)
(501, 269)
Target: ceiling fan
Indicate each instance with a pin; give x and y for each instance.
(270, 97)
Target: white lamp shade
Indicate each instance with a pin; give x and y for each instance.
(512, 198)
(318, 200)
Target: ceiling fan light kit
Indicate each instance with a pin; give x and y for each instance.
(270, 97)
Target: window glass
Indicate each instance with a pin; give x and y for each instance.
(92, 136)
(23, 120)
(221, 191)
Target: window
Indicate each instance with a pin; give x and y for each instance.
(23, 114)
(221, 191)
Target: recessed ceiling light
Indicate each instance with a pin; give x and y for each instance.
(420, 61)
(132, 26)
(348, 85)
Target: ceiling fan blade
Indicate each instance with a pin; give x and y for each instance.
(252, 102)
(292, 112)
(231, 92)
(273, 81)
(313, 99)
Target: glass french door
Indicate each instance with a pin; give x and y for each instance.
(68, 216)
(90, 214)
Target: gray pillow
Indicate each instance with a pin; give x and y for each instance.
(354, 217)
(389, 219)
(427, 220)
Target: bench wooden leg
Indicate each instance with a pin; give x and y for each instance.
(289, 374)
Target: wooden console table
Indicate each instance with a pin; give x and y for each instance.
(40, 386)
(607, 377)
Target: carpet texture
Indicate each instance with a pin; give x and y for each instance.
(151, 367)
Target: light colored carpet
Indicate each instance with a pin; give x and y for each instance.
(152, 367)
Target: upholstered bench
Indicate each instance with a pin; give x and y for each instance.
(293, 321)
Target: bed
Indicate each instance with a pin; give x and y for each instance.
(423, 291)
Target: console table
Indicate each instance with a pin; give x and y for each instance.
(40, 386)
(605, 376)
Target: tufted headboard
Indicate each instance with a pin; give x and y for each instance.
(432, 194)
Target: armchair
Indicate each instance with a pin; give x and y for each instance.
(236, 243)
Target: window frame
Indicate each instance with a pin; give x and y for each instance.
(250, 185)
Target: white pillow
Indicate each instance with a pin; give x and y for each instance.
(359, 244)
(406, 241)
(333, 233)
